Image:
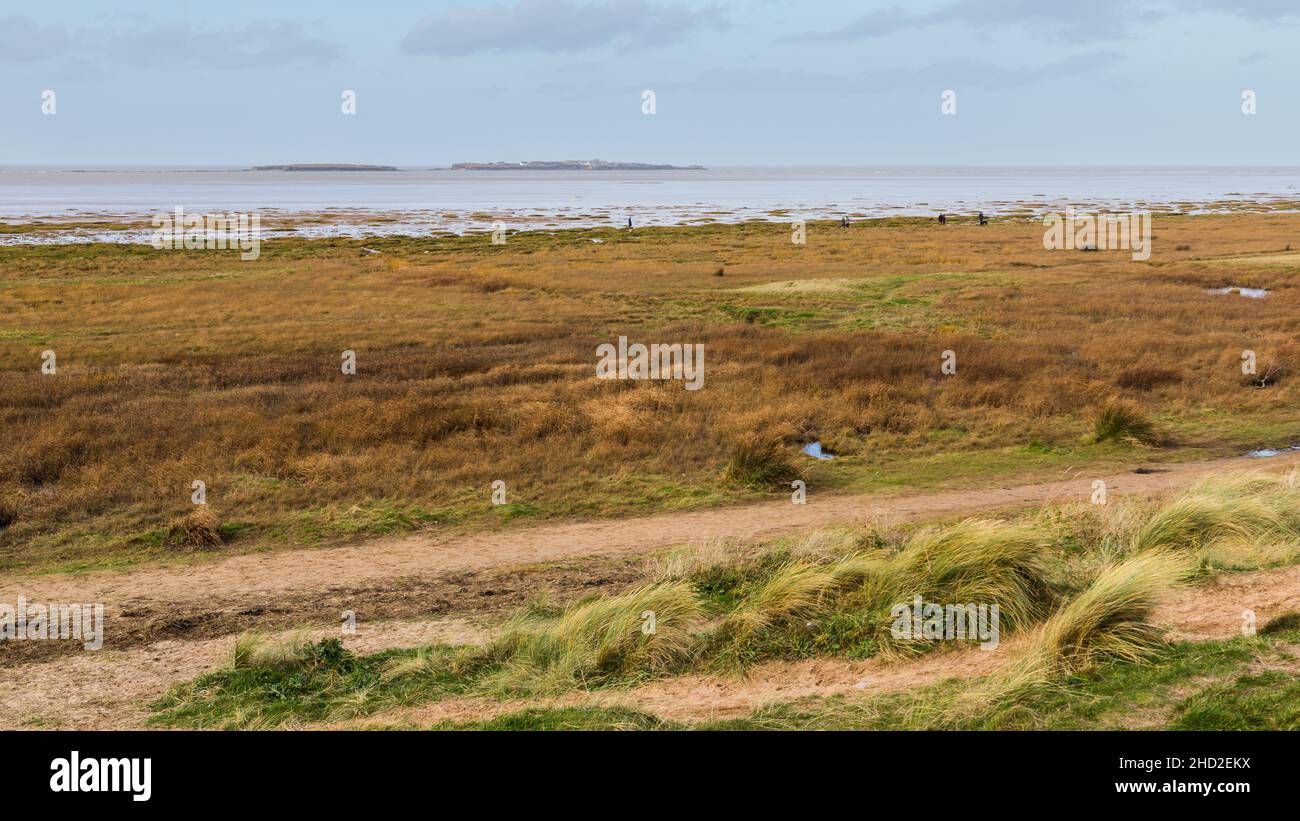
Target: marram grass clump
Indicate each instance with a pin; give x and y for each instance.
(200, 529)
(796, 589)
(1109, 619)
(1122, 422)
(977, 561)
(761, 462)
(1235, 522)
(644, 632)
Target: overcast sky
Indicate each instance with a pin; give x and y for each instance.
(817, 82)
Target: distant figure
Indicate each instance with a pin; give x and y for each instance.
(629, 223)
(943, 219)
(844, 222)
(983, 221)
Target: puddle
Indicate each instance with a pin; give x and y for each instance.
(814, 449)
(1253, 293)
(1264, 453)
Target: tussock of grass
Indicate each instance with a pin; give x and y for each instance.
(1107, 621)
(795, 589)
(595, 641)
(1193, 521)
(1122, 422)
(1236, 522)
(1110, 619)
(762, 462)
(1285, 623)
(976, 561)
(254, 650)
(199, 529)
(711, 557)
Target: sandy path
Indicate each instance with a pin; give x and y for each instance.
(1214, 610)
(111, 689)
(260, 578)
(697, 698)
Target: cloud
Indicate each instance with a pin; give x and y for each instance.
(1251, 9)
(252, 45)
(1102, 19)
(556, 26)
(22, 40)
(958, 73)
(166, 45)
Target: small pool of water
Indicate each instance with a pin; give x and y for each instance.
(814, 449)
(1253, 293)
(1264, 453)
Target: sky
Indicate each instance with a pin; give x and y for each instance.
(758, 83)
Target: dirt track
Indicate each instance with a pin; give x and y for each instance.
(111, 689)
(260, 579)
(393, 579)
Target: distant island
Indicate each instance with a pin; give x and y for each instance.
(570, 165)
(323, 166)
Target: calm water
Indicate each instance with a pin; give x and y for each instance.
(420, 201)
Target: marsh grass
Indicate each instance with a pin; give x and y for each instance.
(10, 508)
(476, 361)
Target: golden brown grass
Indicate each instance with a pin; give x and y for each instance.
(476, 363)
(200, 529)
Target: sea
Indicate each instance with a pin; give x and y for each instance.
(424, 201)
